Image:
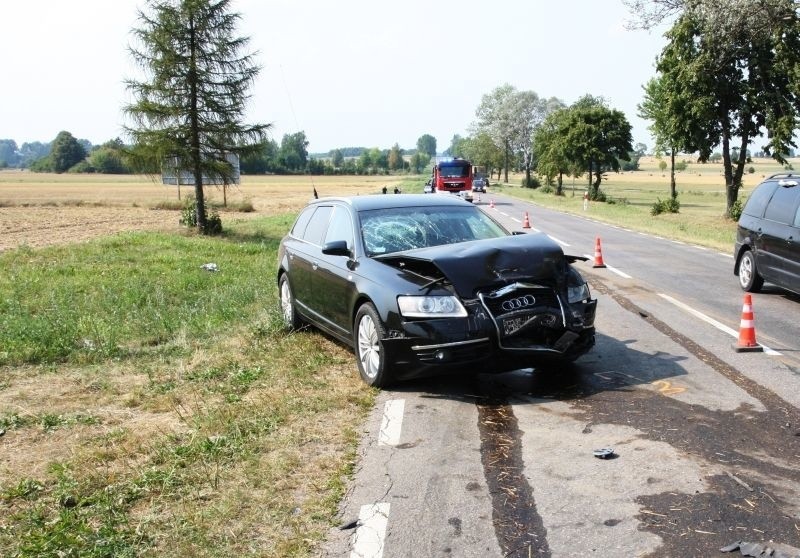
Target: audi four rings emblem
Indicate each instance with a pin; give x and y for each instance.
(518, 303)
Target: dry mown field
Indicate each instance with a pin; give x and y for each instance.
(44, 209)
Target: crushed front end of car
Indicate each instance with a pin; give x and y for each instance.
(519, 301)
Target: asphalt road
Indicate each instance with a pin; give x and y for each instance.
(705, 439)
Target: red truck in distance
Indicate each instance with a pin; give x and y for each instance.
(453, 176)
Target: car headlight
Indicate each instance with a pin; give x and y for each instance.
(431, 307)
(578, 293)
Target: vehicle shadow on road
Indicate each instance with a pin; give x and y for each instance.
(611, 366)
(769, 289)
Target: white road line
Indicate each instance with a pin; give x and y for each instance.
(554, 239)
(720, 326)
(515, 219)
(612, 269)
(392, 422)
(368, 538)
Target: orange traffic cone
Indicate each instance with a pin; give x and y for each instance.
(491, 204)
(598, 254)
(747, 329)
(526, 223)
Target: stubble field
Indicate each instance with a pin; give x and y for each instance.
(43, 209)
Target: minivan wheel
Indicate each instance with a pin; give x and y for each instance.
(749, 278)
(370, 356)
(290, 317)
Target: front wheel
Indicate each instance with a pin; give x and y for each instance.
(367, 334)
(749, 278)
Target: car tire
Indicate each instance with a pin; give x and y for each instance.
(367, 335)
(749, 278)
(288, 309)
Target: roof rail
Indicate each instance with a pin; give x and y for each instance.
(783, 175)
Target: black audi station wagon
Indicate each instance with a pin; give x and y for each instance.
(421, 285)
(767, 244)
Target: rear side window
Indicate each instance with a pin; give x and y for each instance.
(299, 228)
(781, 207)
(759, 198)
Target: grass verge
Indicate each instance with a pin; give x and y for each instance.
(700, 220)
(152, 408)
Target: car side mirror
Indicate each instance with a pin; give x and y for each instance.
(336, 248)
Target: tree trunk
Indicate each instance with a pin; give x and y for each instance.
(731, 188)
(672, 191)
(506, 162)
(194, 132)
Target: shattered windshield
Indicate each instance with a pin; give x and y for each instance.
(405, 228)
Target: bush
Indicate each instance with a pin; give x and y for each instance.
(547, 189)
(736, 210)
(599, 195)
(533, 182)
(751, 170)
(189, 217)
(672, 205)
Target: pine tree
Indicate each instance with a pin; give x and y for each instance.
(191, 102)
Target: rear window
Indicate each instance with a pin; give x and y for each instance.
(759, 198)
(781, 206)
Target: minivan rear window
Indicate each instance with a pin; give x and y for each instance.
(782, 205)
(759, 198)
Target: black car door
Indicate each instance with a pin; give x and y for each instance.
(304, 257)
(793, 254)
(777, 242)
(333, 280)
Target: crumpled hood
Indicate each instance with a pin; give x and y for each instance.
(493, 262)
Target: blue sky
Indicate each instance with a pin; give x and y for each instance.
(348, 73)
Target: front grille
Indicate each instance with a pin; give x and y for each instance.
(526, 316)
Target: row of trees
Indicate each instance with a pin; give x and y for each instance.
(729, 71)
(291, 156)
(14, 156)
(520, 129)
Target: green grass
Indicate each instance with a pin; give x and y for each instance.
(161, 409)
(700, 219)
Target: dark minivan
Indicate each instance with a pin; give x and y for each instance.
(768, 235)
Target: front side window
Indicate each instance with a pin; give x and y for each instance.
(341, 227)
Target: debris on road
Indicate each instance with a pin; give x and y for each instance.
(756, 550)
(605, 453)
